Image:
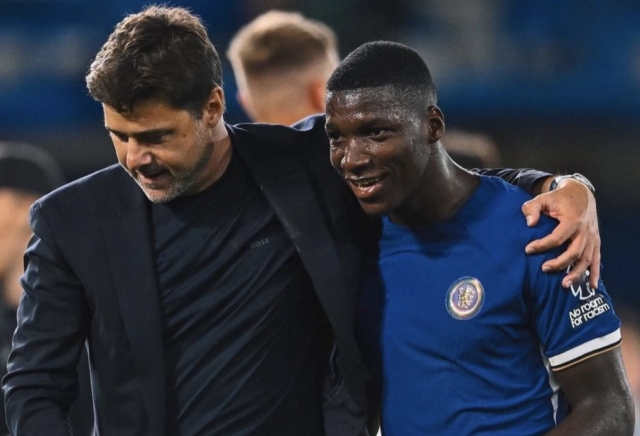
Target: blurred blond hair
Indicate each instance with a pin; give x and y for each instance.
(281, 62)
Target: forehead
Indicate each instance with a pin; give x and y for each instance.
(362, 103)
(146, 114)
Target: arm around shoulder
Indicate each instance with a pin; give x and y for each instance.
(530, 180)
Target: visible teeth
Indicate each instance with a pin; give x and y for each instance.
(366, 182)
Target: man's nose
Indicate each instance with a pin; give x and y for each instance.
(354, 157)
(137, 154)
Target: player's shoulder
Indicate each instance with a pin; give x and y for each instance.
(503, 193)
(504, 203)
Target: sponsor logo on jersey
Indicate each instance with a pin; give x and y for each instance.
(465, 298)
(581, 288)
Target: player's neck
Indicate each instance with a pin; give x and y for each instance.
(443, 190)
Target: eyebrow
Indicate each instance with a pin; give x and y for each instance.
(367, 124)
(143, 134)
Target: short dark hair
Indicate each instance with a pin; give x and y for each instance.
(28, 169)
(160, 52)
(385, 63)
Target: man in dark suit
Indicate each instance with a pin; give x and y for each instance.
(217, 296)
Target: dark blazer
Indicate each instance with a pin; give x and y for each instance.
(90, 274)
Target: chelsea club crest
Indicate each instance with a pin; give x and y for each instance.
(465, 298)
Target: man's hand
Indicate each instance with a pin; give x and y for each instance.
(574, 206)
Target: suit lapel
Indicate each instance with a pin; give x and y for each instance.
(130, 258)
(288, 189)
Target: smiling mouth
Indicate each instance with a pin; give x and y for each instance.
(367, 189)
(365, 182)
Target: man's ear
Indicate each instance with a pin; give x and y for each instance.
(214, 107)
(436, 123)
(317, 93)
(242, 100)
(245, 103)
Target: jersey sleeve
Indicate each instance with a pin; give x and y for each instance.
(573, 324)
(524, 178)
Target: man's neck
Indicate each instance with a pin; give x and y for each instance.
(445, 188)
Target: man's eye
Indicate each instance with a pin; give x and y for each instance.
(154, 139)
(119, 137)
(377, 132)
(333, 136)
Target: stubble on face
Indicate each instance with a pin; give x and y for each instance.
(167, 151)
(184, 181)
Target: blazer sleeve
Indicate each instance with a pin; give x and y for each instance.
(525, 179)
(53, 316)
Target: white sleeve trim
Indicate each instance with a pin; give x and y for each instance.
(591, 347)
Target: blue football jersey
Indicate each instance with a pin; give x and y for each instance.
(466, 331)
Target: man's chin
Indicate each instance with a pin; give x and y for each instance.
(373, 209)
(156, 194)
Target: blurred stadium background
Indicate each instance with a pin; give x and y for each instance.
(556, 83)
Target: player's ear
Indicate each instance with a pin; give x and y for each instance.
(214, 107)
(316, 91)
(245, 103)
(241, 99)
(436, 123)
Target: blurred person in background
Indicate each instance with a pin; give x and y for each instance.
(27, 172)
(281, 62)
(472, 149)
(212, 272)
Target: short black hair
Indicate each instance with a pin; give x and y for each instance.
(28, 169)
(384, 63)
